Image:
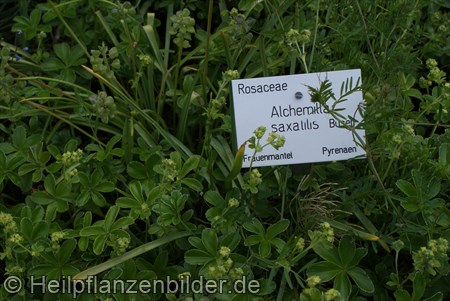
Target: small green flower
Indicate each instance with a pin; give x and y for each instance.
(170, 169)
(277, 141)
(57, 236)
(16, 238)
(233, 202)
(312, 281)
(431, 258)
(6, 218)
(260, 131)
(331, 294)
(121, 244)
(103, 105)
(255, 177)
(229, 75)
(69, 158)
(327, 231)
(224, 251)
(300, 244)
(145, 59)
(294, 37)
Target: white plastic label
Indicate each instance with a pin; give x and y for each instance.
(283, 105)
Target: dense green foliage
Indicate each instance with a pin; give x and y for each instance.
(116, 154)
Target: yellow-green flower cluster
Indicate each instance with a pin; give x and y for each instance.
(224, 251)
(331, 295)
(300, 244)
(276, 140)
(16, 238)
(434, 75)
(432, 257)
(10, 230)
(8, 222)
(327, 231)
(255, 177)
(145, 59)
(56, 238)
(223, 267)
(313, 280)
(229, 75)
(170, 169)
(215, 108)
(121, 244)
(69, 158)
(294, 37)
(104, 106)
(259, 132)
(233, 202)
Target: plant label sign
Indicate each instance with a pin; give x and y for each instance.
(315, 130)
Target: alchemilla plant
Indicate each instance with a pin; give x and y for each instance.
(117, 160)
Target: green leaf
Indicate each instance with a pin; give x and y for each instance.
(35, 17)
(253, 240)
(99, 244)
(19, 137)
(325, 270)
(41, 269)
(231, 240)
(264, 249)
(278, 243)
(136, 191)
(137, 170)
(92, 230)
(42, 198)
(196, 242)
(410, 205)
(189, 165)
(40, 230)
(122, 222)
(125, 202)
(106, 186)
(52, 64)
(406, 187)
(255, 226)
(343, 285)
(277, 228)
(209, 240)
(111, 216)
(26, 227)
(214, 198)
(402, 295)
(328, 253)
(65, 251)
(359, 254)
(197, 257)
(419, 285)
(192, 183)
(113, 262)
(361, 279)
(346, 250)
